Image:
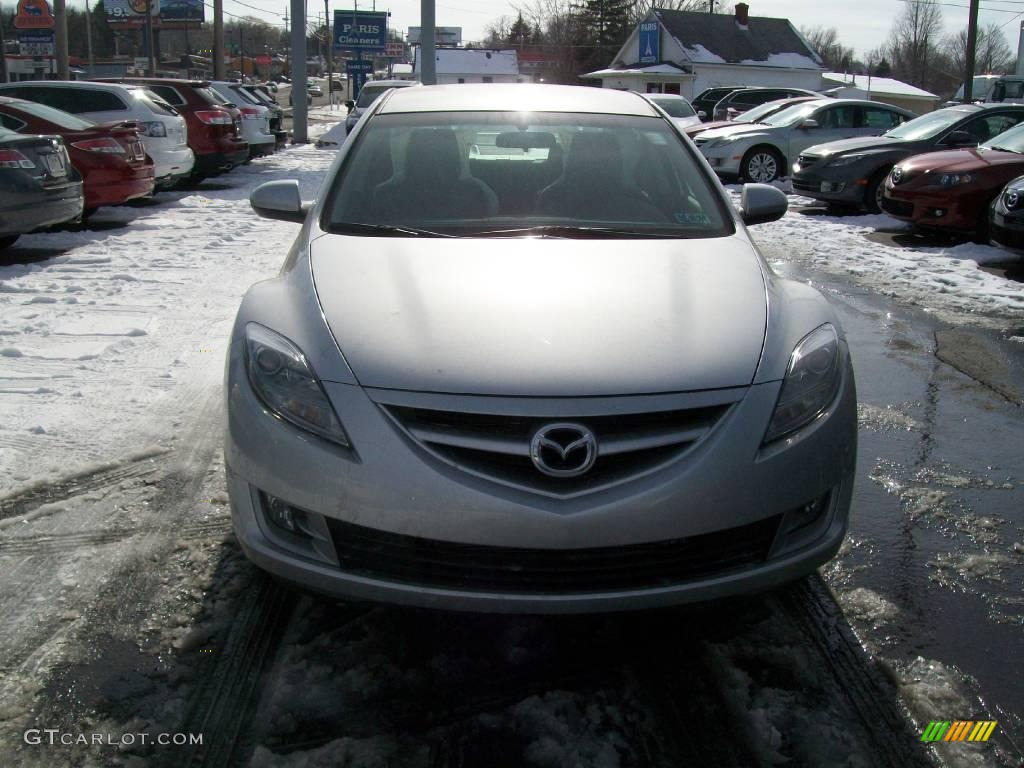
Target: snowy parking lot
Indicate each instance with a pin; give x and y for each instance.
(127, 609)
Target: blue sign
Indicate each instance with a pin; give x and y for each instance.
(360, 30)
(650, 42)
(359, 72)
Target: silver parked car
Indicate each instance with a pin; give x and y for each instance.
(551, 374)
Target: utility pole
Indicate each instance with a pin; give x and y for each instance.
(241, 50)
(151, 66)
(972, 46)
(3, 52)
(428, 67)
(218, 40)
(299, 111)
(60, 16)
(88, 37)
(330, 44)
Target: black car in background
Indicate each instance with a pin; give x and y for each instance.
(1006, 217)
(38, 185)
(852, 171)
(706, 100)
(739, 101)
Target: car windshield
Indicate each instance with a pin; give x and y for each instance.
(155, 103)
(507, 174)
(57, 117)
(926, 126)
(369, 93)
(1009, 141)
(758, 113)
(675, 107)
(791, 115)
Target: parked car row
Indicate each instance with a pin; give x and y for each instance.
(120, 140)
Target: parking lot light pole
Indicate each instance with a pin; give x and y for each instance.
(300, 132)
(428, 66)
(60, 16)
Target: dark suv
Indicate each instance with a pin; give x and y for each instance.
(739, 101)
(214, 131)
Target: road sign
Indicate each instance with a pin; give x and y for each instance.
(360, 30)
(395, 49)
(34, 14)
(35, 42)
(650, 42)
(359, 71)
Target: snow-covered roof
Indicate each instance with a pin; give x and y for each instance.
(653, 69)
(401, 69)
(473, 61)
(880, 85)
(716, 38)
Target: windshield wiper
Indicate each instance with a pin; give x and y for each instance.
(569, 232)
(345, 227)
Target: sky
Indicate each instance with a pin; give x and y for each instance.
(862, 24)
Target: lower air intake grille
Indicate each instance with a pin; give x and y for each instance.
(394, 557)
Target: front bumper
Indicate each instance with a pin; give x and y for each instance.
(938, 210)
(820, 184)
(1007, 231)
(725, 160)
(391, 489)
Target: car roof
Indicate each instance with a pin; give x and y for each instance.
(77, 84)
(160, 81)
(517, 97)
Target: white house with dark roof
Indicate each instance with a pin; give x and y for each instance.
(473, 65)
(685, 52)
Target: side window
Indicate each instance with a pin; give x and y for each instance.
(836, 117)
(999, 123)
(13, 123)
(882, 119)
(78, 100)
(51, 97)
(168, 94)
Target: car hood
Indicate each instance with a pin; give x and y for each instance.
(686, 122)
(543, 317)
(729, 130)
(701, 127)
(853, 145)
(961, 160)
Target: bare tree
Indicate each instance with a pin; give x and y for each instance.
(993, 54)
(837, 57)
(913, 45)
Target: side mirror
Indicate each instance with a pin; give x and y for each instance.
(350, 104)
(279, 200)
(960, 139)
(702, 114)
(759, 203)
(810, 122)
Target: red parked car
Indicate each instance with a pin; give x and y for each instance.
(110, 156)
(953, 189)
(214, 129)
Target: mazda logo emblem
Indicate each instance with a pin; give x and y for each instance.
(1012, 199)
(897, 175)
(563, 450)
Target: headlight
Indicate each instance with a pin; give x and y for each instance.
(845, 160)
(282, 378)
(812, 380)
(952, 179)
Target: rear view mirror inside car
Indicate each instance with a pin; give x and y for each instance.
(525, 140)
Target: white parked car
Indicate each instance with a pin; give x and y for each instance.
(256, 116)
(163, 131)
(764, 151)
(676, 107)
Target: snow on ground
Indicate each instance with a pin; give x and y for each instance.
(944, 280)
(100, 339)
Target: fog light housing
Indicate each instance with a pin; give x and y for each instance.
(296, 530)
(280, 514)
(833, 186)
(804, 525)
(808, 514)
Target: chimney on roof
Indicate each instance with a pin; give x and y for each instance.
(742, 14)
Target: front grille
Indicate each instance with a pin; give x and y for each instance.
(497, 446)
(804, 185)
(806, 161)
(897, 207)
(395, 557)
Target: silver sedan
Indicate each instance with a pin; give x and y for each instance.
(525, 357)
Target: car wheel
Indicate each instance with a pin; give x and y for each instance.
(875, 191)
(8, 241)
(761, 165)
(983, 231)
